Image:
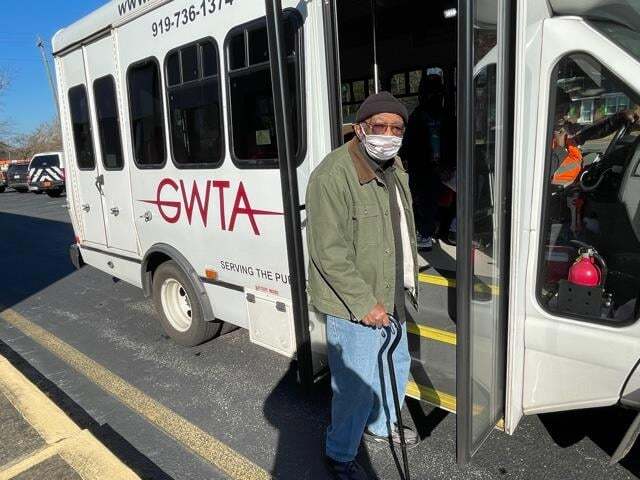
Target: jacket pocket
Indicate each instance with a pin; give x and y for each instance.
(367, 225)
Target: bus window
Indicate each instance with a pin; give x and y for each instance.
(590, 262)
(253, 126)
(405, 86)
(353, 94)
(104, 92)
(147, 119)
(81, 127)
(195, 114)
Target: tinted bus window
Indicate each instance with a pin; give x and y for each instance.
(147, 118)
(81, 125)
(194, 107)
(108, 123)
(253, 126)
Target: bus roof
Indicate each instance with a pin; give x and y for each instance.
(112, 14)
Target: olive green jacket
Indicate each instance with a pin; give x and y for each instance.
(350, 237)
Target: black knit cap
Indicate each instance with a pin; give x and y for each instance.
(382, 102)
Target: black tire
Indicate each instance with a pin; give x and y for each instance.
(22, 190)
(38, 192)
(198, 331)
(54, 193)
(2, 189)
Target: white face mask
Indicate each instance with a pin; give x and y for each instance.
(381, 147)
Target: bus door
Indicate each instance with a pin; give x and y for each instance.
(105, 95)
(456, 336)
(416, 62)
(81, 153)
(581, 332)
(483, 227)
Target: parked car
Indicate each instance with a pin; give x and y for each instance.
(46, 173)
(17, 177)
(3, 181)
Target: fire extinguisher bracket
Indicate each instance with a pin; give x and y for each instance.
(580, 300)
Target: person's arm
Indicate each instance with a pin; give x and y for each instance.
(603, 128)
(328, 218)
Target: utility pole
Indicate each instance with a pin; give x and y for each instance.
(45, 61)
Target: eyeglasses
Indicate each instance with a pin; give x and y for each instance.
(383, 128)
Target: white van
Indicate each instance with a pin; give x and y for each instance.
(191, 128)
(46, 173)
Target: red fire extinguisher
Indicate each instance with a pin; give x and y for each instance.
(589, 269)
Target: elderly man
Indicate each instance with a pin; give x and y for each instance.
(363, 264)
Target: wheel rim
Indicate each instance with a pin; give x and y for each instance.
(176, 304)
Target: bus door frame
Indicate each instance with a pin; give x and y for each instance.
(290, 194)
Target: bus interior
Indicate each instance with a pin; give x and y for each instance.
(416, 48)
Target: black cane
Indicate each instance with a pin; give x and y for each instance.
(395, 324)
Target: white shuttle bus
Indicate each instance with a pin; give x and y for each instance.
(191, 128)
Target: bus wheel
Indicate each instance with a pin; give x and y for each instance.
(179, 308)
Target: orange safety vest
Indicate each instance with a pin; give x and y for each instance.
(570, 168)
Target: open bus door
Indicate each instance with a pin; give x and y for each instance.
(484, 183)
(458, 334)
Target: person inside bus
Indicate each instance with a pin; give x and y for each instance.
(568, 137)
(567, 165)
(363, 265)
(429, 150)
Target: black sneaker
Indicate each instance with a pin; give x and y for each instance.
(410, 437)
(346, 470)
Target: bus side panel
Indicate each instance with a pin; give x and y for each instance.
(224, 219)
(117, 266)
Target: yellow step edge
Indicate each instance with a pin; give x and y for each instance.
(432, 333)
(451, 283)
(432, 396)
(439, 399)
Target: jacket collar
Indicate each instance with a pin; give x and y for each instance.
(363, 169)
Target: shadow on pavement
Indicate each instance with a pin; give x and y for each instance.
(122, 449)
(603, 426)
(35, 254)
(301, 419)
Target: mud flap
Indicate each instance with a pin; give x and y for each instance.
(76, 256)
(627, 441)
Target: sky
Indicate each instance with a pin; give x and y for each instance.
(29, 100)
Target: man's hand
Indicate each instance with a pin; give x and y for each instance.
(631, 115)
(377, 317)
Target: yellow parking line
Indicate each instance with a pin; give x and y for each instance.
(232, 463)
(432, 333)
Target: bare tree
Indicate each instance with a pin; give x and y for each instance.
(45, 138)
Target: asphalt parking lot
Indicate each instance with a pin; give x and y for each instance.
(92, 344)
